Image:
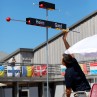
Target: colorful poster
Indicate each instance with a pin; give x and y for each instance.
(84, 68)
(40, 70)
(1, 71)
(93, 68)
(63, 68)
(13, 71)
(27, 71)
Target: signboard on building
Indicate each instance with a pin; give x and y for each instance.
(45, 23)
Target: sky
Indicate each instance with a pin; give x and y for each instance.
(15, 35)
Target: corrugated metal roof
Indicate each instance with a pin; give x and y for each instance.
(83, 19)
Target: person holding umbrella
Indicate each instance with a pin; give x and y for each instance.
(75, 79)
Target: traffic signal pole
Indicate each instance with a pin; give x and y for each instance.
(47, 6)
(47, 52)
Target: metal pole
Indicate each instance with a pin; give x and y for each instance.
(17, 89)
(47, 50)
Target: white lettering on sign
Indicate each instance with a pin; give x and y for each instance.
(40, 22)
(58, 25)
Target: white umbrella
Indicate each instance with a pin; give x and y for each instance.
(2, 84)
(87, 47)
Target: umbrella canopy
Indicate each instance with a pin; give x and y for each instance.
(2, 84)
(86, 47)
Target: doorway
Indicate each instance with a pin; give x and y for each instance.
(24, 93)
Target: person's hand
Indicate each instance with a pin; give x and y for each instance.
(65, 33)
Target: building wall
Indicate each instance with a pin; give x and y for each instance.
(7, 92)
(2, 92)
(26, 57)
(17, 58)
(56, 48)
(86, 29)
(23, 57)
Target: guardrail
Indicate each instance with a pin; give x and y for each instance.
(38, 72)
(26, 71)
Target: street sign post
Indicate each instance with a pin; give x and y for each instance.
(45, 23)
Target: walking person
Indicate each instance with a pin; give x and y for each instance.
(74, 77)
